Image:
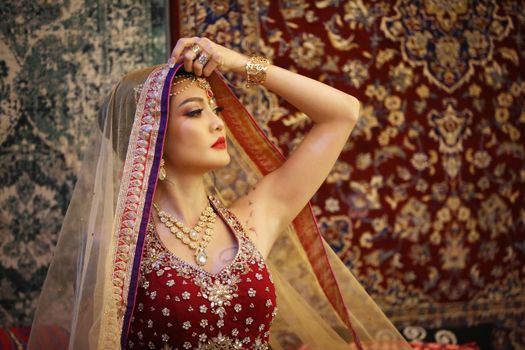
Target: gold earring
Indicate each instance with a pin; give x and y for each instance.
(162, 170)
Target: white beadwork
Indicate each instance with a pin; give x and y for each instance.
(220, 294)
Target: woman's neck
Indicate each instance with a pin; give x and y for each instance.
(182, 195)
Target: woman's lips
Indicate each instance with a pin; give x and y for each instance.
(220, 143)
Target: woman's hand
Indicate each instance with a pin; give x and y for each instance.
(202, 56)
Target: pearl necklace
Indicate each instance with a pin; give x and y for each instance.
(192, 236)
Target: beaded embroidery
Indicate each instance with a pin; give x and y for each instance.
(182, 306)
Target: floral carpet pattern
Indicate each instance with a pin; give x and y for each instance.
(447, 38)
(426, 203)
(57, 62)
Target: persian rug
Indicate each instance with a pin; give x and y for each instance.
(426, 203)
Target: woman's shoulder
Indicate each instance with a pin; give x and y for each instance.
(240, 208)
(252, 219)
(236, 210)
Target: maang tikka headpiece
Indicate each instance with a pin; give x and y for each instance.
(191, 79)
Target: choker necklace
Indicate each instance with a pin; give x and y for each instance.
(192, 236)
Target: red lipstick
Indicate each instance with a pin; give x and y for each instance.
(220, 143)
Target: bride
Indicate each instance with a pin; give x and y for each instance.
(158, 251)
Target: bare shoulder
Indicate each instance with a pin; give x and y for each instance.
(251, 216)
(244, 209)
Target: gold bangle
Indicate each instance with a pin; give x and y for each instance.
(256, 70)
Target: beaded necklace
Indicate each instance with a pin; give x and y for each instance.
(192, 236)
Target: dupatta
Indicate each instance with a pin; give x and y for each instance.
(89, 294)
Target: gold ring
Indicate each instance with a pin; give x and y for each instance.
(196, 49)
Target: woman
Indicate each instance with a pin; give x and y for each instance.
(164, 264)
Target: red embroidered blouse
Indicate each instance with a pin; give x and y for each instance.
(181, 306)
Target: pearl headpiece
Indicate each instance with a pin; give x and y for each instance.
(192, 79)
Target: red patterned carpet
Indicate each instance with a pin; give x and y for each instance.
(426, 203)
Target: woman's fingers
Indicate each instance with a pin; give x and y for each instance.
(214, 63)
(189, 57)
(200, 62)
(199, 55)
(182, 44)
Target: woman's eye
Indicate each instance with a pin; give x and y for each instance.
(194, 113)
(218, 109)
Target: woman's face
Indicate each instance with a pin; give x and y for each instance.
(195, 129)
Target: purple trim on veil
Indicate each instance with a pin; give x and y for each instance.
(152, 181)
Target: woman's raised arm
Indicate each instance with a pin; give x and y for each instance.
(268, 208)
(284, 192)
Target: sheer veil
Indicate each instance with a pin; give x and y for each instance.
(89, 293)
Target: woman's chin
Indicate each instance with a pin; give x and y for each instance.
(224, 162)
(219, 163)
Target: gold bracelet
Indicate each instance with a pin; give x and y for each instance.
(256, 70)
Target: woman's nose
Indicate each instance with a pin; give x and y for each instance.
(217, 123)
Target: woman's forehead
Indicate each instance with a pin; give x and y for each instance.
(191, 93)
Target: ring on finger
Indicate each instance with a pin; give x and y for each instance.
(203, 58)
(196, 49)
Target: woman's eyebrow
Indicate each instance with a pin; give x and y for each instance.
(192, 99)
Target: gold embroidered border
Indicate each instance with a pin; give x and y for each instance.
(129, 210)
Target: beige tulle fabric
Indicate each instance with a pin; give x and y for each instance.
(89, 287)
